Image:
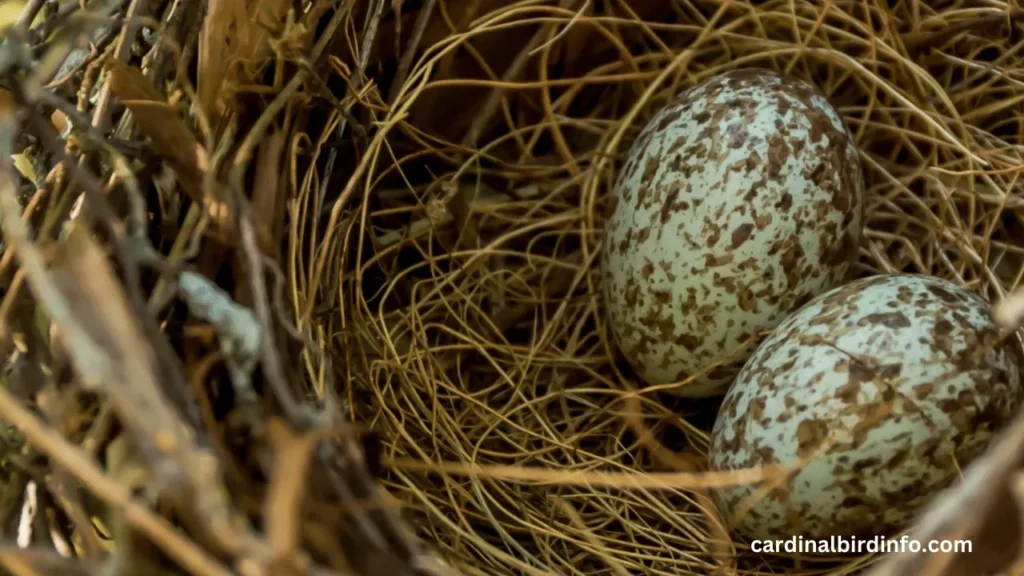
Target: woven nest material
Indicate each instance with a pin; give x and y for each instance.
(263, 258)
(472, 316)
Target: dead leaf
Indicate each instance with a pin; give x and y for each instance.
(212, 56)
(23, 164)
(293, 454)
(234, 47)
(161, 123)
(267, 213)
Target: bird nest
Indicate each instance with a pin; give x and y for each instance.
(341, 262)
(515, 437)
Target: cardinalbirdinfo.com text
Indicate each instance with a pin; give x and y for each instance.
(852, 544)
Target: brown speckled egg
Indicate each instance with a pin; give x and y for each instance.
(738, 202)
(900, 379)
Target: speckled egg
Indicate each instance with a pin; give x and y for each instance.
(886, 387)
(738, 202)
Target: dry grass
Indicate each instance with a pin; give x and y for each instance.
(402, 206)
(468, 307)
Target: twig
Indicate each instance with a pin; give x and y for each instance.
(364, 55)
(37, 561)
(66, 493)
(163, 535)
(410, 51)
(272, 368)
(283, 508)
(121, 52)
(128, 254)
(105, 347)
(28, 13)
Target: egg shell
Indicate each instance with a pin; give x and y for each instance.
(738, 202)
(902, 372)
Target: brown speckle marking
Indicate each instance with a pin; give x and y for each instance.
(889, 319)
(742, 199)
(650, 169)
(810, 435)
(876, 365)
(716, 260)
(741, 234)
(688, 341)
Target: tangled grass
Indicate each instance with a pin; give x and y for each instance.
(243, 220)
(462, 289)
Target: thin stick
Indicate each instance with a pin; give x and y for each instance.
(655, 480)
(70, 457)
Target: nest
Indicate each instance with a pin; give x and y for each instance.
(339, 264)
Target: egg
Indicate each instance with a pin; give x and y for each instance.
(884, 388)
(737, 202)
